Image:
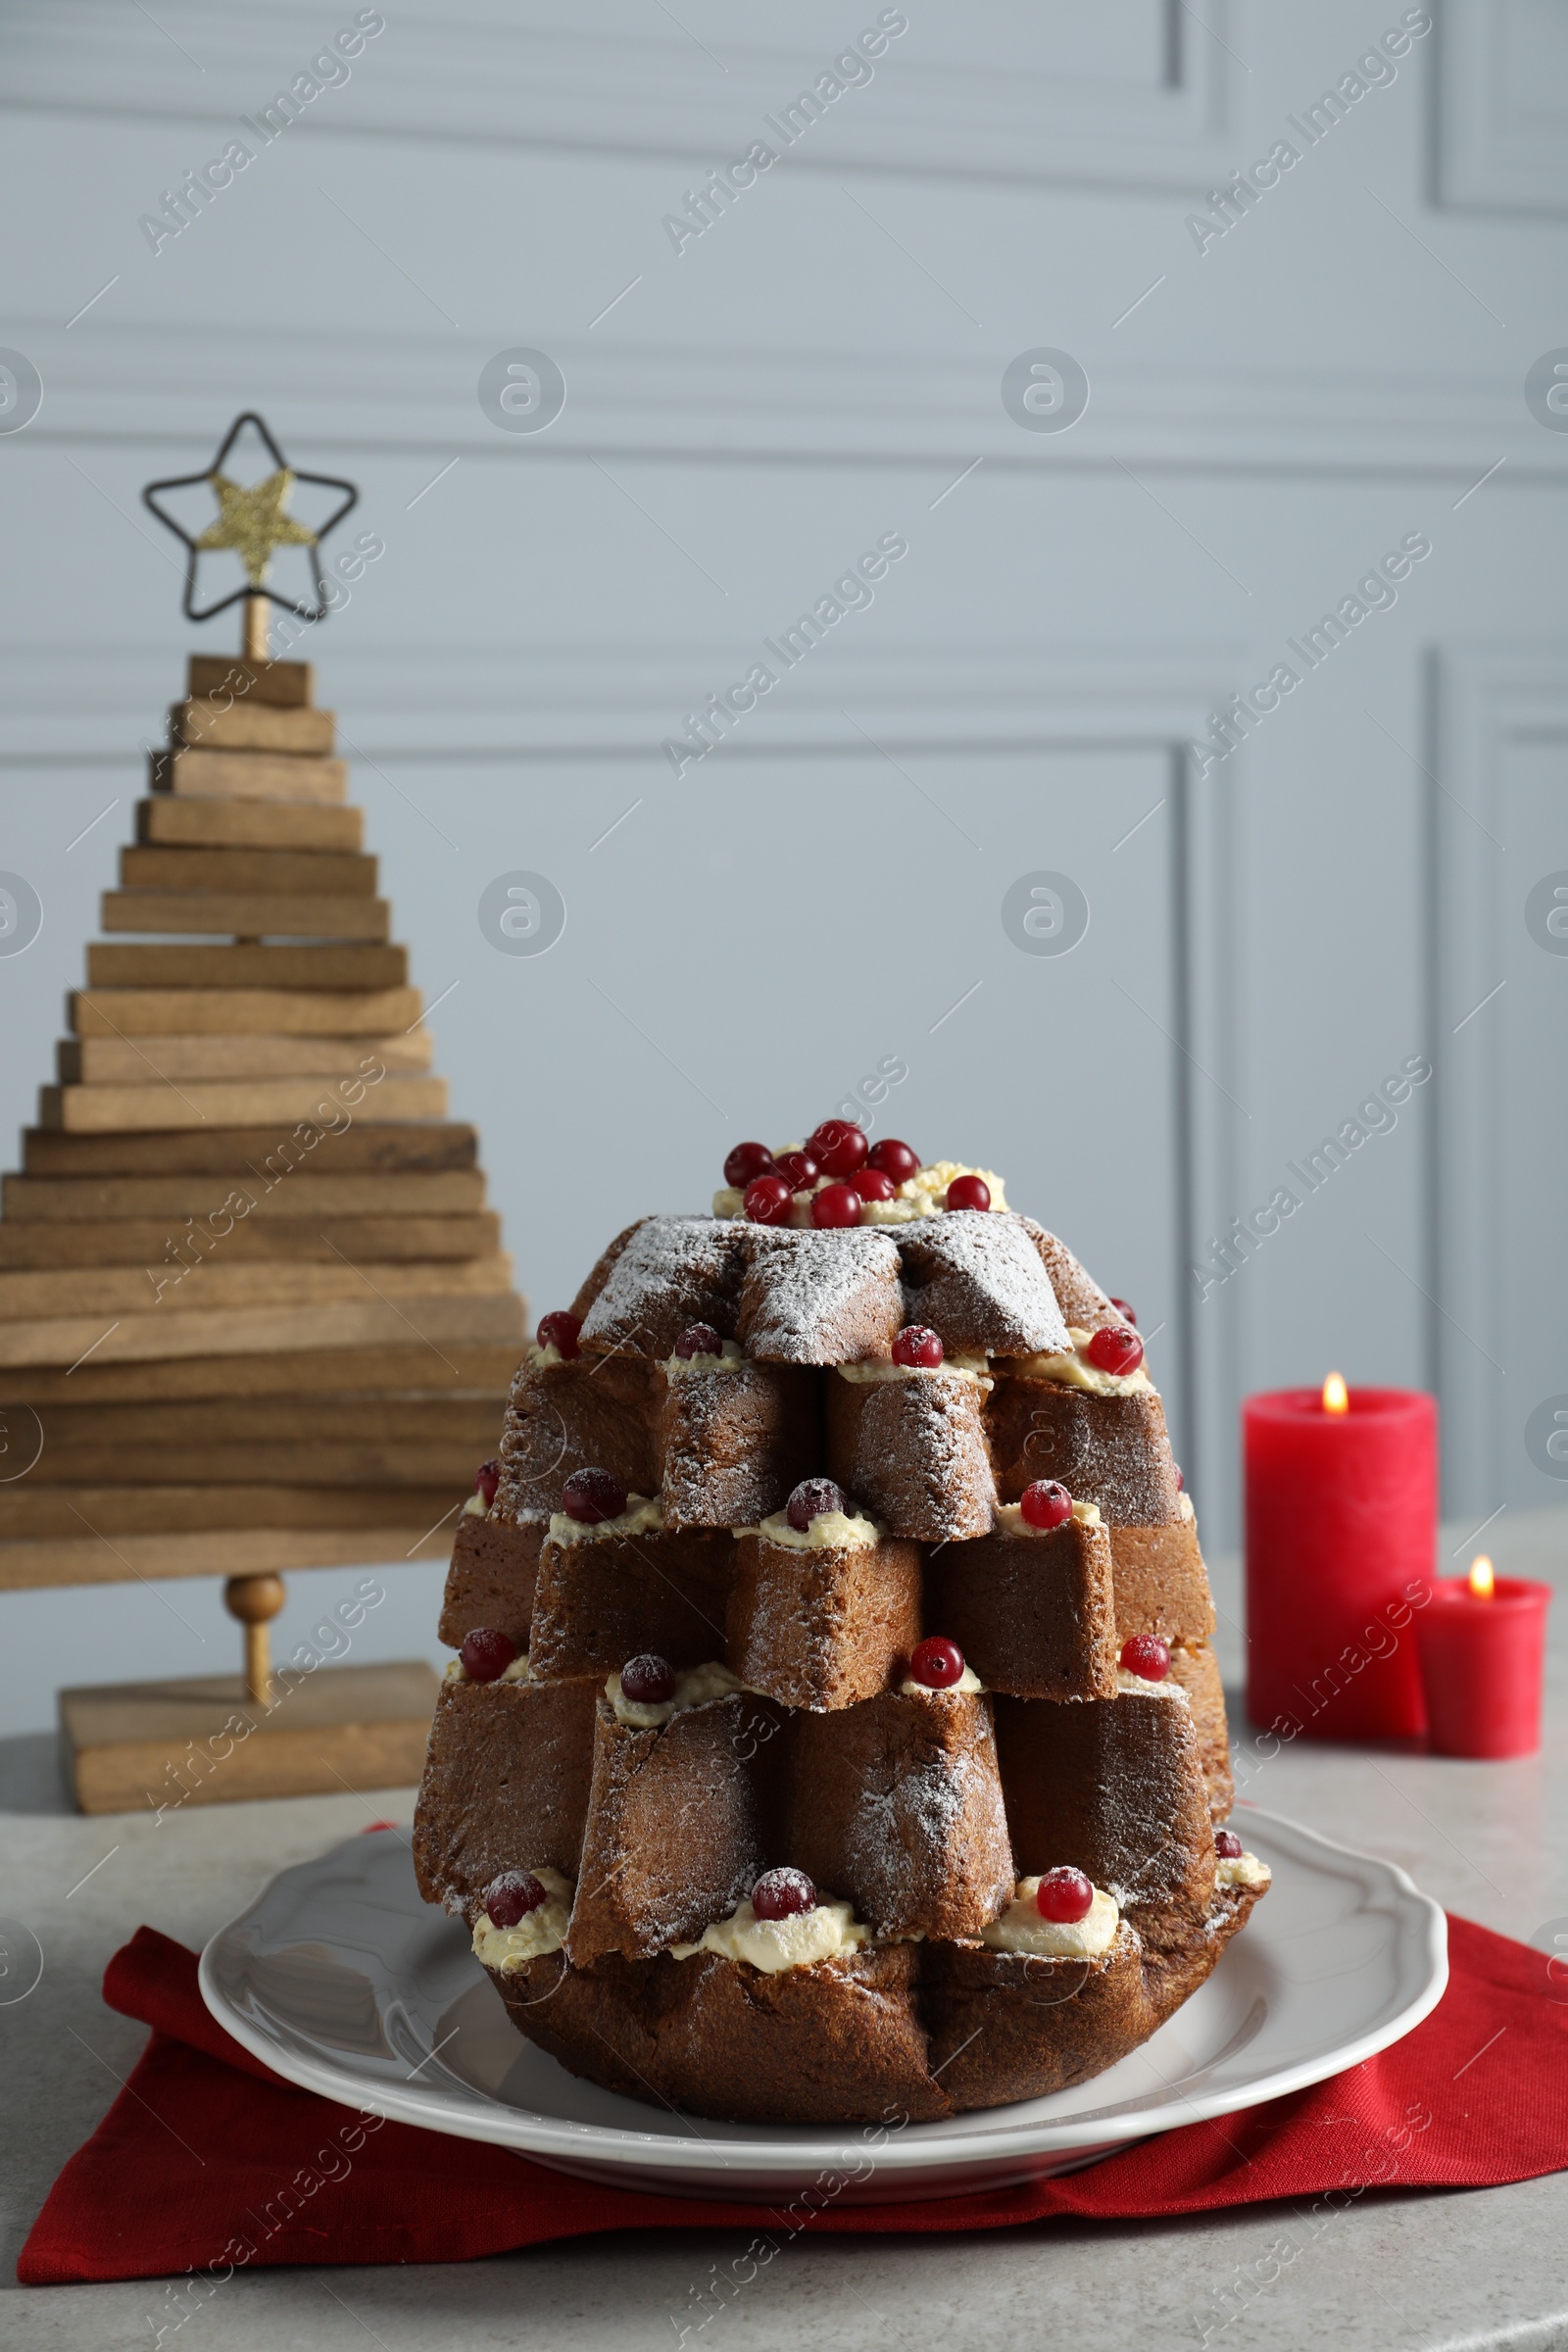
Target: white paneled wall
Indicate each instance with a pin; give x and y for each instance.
(1271, 411)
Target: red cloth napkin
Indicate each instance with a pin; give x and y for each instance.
(206, 2161)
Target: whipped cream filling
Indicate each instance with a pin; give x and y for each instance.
(1184, 1505)
(922, 1194)
(1137, 1686)
(968, 1681)
(517, 1672)
(829, 1531)
(691, 1690)
(826, 1933)
(537, 1932)
(541, 1354)
(476, 1507)
(1074, 1371)
(877, 1368)
(1242, 1869)
(641, 1517)
(1020, 1928)
(730, 1358)
(1010, 1520)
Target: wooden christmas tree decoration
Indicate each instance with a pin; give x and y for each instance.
(254, 1311)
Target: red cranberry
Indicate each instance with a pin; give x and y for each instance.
(838, 1147)
(560, 1332)
(872, 1185)
(1116, 1349)
(745, 1161)
(486, 1479)
(799, 1170)
(918, 1345)
(1147, 1656)
(895, 1159)
(783, 1894)
(968, 1192)
(649, 1679)
(835, 1205)
(486, 1653)
(1180, 1481)
(699, 1339)
(1063, 1896)
(937, 1662)
(1045, 1503)
(811, 1499)
(513, 1897)
(1227, 1845)
(767, 1201)
(591, 1496)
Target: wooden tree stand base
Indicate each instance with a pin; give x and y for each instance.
(141, 1746)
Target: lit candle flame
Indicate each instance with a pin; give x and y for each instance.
(1483, 1582)
(1335, 1396)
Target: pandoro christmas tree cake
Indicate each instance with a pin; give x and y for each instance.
(834, 1725)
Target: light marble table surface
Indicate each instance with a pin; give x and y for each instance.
(1422, 2270)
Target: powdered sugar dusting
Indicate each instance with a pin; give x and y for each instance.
(1078, 1294)
(820, 1297)
(980, 1282)
(673, 1271)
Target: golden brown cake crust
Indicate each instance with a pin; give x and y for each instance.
(598, 1412)
(1112, 1451)
(820, 1297)
(896, 1805)
(491, 1578)
(505, 1785)
(824, 1628)
(1033, 1614)
(913, 1451)
(736, 1441)
(598, 1603)
(677, 1828)
(1162, 1583)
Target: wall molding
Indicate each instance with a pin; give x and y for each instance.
(1494, 149)
(1484, 700)
(171, 388)
(636, 84)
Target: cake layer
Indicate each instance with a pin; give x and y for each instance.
(1112, 1451)
(735, 1441)
(505, 1785)
(913, 1451)
(598, 1603)
(1034, 1614)
(822, 1627)
(495, 1565)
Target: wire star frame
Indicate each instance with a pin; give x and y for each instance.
(253, 522)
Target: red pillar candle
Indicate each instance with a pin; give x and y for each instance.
(1481, 1645)
(1342, 1518)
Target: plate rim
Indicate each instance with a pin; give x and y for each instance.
(552, 2140)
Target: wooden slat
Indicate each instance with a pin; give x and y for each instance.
(254, 1241)
(250, 727)
(271, 873)
(28, 1512)
(227, 677)
(470, 1424)
(302, 1372)
(83, 1559)
(119, 964)
(142, 1748)
(250, 1192)
(244, 1012)
(175, 1285)
(90, 1463)
(250, 825)
(247, 915)
(248, 775)
(368, 1148)
(369, 1322)
(251, 1103)
(125, 1062)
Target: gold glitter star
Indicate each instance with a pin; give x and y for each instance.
(254, 521)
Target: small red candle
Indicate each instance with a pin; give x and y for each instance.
(1342, 1519)
(1481, 1645)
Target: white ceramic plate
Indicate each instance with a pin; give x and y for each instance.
(342, 1981)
